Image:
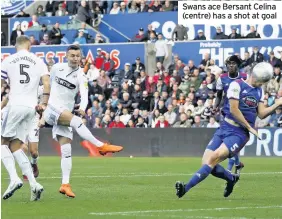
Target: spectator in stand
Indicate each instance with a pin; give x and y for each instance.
(93, 73)
(166, 77)
(138, 66)
(125, 116)
(52, 6)
(196, 79)
(161, 107)
(149, 31)
(179, 33)
(204, 62)
(108, 106)
(200, 35)
(103, 80)
(106, 121)
(185, 84)
(161, 86)
(234, 34)
(98, 39)
(126, 102)
(135, 116)
(154, 118)
(127, 73)
(144, 103)
(97, 124)
(34, 22)
(123, 8)
(94, 90)
(130, 124)
(90, 119)
(133, 9)
(200, 108)
(99, 59)
(140, 37)
(56, 34)
(170, 116)
(155, 7)
(219, 34)
(150, 86)
(143, 6)
(108, 65)
(40, 12)
(117, 123)
(247, 60)
(256, 56)
(162, 123)
(83, 13)
(43, 31)
(141, 123)
(115, 9)
(15, 33)
(253, 33)
(85, 32)
(213, 123)
(198, 123)
(277, 73)
(183, 122)
(161, 49)
(96, 109)
(152, 38)
(167, 6)
(71, 7)
(191, 66)
(61, 11)
(202, 93)
(80, 39)
(136, 96)
(33, 41)
(272, 59)
(45, 40)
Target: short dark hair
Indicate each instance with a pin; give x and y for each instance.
(73, 47)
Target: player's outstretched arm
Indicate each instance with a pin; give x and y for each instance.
(264, 111)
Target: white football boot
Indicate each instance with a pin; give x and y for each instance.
(13, 186)
(36, 191)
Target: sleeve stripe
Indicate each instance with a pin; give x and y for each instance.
(4, 77)
(4, 72)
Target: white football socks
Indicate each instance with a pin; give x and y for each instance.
(84, 132)
(9, 162)
(34, 160)
(25, 165)
(66, 163)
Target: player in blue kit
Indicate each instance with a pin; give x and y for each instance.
(244, 105)
(222, 85)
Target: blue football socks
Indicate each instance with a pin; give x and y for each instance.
(198, 177)
(219, 172)
(231, 162)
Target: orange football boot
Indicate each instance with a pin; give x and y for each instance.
(107, 148)
(66, 190)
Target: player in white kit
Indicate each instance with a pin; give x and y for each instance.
(66, 80)
(31, 143)
(23, 71)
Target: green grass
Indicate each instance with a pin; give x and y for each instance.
(146, 186)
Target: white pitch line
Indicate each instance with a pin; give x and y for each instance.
(180, 210)
(144, 175)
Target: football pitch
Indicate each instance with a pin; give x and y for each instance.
(144, 188)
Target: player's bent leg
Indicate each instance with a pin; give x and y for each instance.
(33, 148)
(68, 119)
(238, 165)
(66, 166)
(9, 163)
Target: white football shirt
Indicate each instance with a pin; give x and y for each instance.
(65, 84)
(23, 71)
